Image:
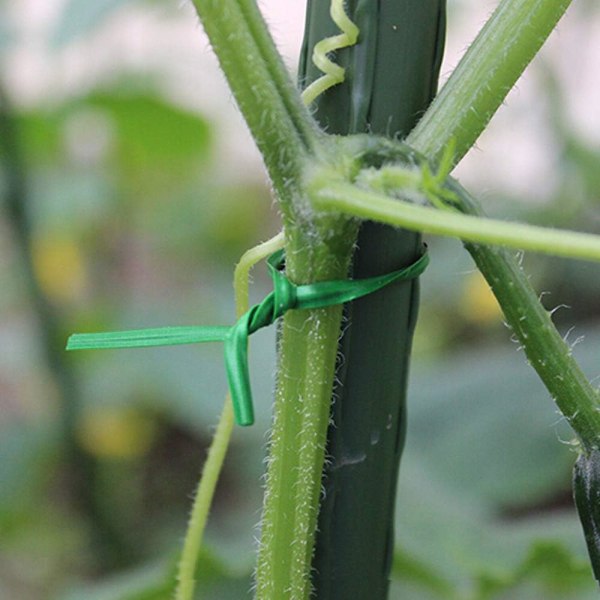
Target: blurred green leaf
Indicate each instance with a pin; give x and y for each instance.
(484, 437)
(157, 582)
(454, 538)
(421, 574)
(549, 571)
(152, 133)
(28, 452)
(483, 423)
(145, 129)
(130, 147)
(40, 134)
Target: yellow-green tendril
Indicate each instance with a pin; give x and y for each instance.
(333, 73)
(218, 448)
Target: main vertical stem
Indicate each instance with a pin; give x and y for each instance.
(391, 77)
(308, 346)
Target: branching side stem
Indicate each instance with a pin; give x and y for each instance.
(484, 76)
(279, 122)
(375, 206)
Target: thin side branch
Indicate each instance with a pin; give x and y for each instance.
(280, 124)
(486, 73)
(375, 206)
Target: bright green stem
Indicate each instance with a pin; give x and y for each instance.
(485, 75)
(308, 348)
(297, 454)
(280, 77)
(241, 276)
(477, 87)
(218, 448)
(375, 206)
(546, 350)
(286, 134)
(279, 122)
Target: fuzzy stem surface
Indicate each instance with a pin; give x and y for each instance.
(279, 122)
(307, 357)
(376, 206)
(484, 76)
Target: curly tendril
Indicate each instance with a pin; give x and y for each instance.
(333, 73)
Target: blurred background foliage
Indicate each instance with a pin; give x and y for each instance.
(127, 192)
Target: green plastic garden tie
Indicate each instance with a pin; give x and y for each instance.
(285, 296)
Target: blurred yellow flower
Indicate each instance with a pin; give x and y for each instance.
(110, 432)
(59, 267)
(478, 304)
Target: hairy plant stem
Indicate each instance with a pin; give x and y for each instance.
(475, 90)
(308, 348)
(186, 570)
(487, 72)
(315, 250)
(279, 122)
(367, 204)
(548, 353)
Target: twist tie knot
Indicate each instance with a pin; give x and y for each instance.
(285, 296)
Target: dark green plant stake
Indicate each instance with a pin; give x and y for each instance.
(391, 77)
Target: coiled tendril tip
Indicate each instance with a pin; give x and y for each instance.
(333, 73)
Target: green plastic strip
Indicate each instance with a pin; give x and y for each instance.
(285, 296)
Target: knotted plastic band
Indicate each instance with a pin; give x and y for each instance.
(285, 296)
